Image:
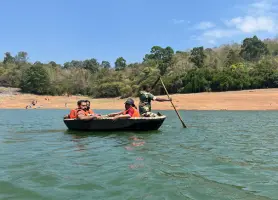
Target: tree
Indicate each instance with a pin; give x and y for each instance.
(232, 58)
(52, 63)
(38, 63)
(35, 80)
(120, 64)
(21, 57)
(253, 49)
(105, 64)
(8, 58)
(197, 56)
(162, 58)
(92, 65)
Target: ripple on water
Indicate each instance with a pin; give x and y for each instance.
(221, 155)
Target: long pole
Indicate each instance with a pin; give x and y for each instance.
(184, 126)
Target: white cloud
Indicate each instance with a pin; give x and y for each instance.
(204, 25)
(219, 33)
(250, 24)
(260, 16)
(178, 21)
(262, 8)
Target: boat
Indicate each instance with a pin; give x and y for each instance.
(107, 124)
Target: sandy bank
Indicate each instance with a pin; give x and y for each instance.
(265, 99)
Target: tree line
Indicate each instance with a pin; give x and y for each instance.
(253, 64)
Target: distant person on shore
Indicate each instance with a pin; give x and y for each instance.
(130, 111)
(145, 98)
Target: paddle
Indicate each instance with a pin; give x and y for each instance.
(152, 87)
(184, 126)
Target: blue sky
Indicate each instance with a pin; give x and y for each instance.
(65, 30)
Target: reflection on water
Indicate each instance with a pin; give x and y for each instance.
(221, 155)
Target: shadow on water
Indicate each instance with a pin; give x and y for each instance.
(108, 133)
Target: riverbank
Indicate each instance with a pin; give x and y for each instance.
(264, 99)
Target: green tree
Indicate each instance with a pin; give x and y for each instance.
(162, 57)
(21, 57)
(120, 64)
(35, 80)
(92, 65)
(8, 58)
(253, 49)
(198, 56)
(232, 58)
(52, 63)
(105, 64)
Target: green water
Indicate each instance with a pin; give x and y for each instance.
(221, 155)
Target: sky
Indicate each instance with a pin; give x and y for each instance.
(65, 30)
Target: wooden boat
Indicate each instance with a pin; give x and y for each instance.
(107, 124)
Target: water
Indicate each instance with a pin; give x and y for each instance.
(221, 155)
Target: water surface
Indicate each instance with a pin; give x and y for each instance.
(221, 155)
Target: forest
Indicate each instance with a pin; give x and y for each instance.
(253, 64)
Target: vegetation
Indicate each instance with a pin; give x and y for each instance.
(250, 65)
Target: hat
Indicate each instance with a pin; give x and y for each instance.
(130, 102)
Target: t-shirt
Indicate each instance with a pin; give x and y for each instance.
(130, 112)
(145, 101)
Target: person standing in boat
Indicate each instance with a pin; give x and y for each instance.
(130, 111)
(145, 98)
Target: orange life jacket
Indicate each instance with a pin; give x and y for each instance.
(90, 112)
(135, 112)
(73, 113)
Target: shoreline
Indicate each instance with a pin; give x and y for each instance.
(245, 100)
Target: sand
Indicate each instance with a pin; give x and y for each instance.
(264, 99)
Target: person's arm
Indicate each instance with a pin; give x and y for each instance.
(154, 98)
(122, 117)
(94, 114)
(126, 116)
(83, 117)
(114, 114)
(161, 99)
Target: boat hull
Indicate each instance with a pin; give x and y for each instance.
(107, 124)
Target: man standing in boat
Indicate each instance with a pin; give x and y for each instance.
(145, 98)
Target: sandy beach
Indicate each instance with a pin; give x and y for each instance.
(264, 99)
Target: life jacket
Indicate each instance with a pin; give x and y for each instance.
(135, 112)
(90, 112)
(74, 112)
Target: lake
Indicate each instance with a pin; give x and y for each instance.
(221, 155)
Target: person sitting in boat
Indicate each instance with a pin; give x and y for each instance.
(89, 111)
(130, 111)
(73, 112)
(145, 98)
(82, 112)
